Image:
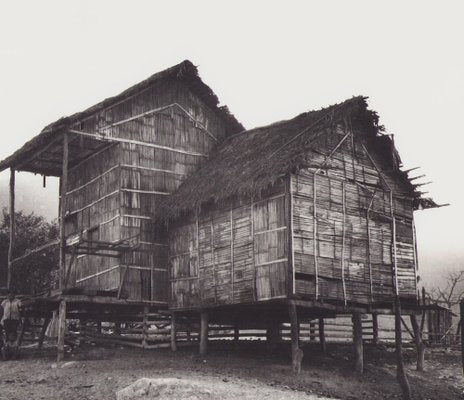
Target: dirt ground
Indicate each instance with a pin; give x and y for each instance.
(249, 371)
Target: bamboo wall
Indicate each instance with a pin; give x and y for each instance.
(234, 253)
(114, 194)
(343, 224)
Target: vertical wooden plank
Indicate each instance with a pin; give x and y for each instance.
(236, 333)
(173, 332)
(203, 332)
(291, 247)
(252, 216)
(322, 336)
(358, 342)
(232, 267)
(315, 233)
(312, 331)
(212, 259)
(12, 226)
(395, 266)
(343, 240)
(369, 263)
(414, 244)
(61, 329)
(64, 190)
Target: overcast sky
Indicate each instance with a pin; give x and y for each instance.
(267, 61)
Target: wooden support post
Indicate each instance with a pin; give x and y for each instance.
(297, 353)
(99, 327)
(173, 332)
(12, 227)
(358, 342)
(203, 332)
(420, 347)
(236, 333)
(63, 191)
(145, 326)
(400, 372)
(375, 328)
(188, 329)
(272, 335)
(43, 330)
(312, 331)
(61, 329)
(322, 336)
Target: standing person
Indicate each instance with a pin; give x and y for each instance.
(11, 317)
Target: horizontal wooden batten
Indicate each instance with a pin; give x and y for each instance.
(159, 110)
(137, 142)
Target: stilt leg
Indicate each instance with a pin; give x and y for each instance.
(297, 353)
(173, 332)
(203, 332)
(419, 343)
(358, 342)
(61, 329)
(43, 330)
(375, 329)
(400, 372)
(144, 326)
(322, 336)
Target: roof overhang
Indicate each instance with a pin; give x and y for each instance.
(44, 153)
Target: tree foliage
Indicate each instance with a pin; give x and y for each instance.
(33, 274)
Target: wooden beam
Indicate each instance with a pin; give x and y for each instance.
(37, 153)
(61, 329)
(375, 328)
(322, 336)
(63, 190)
(400, 371)
(315, 235)
(203, 332)
(297, 353)
(420, 347)
(358, 342)
(173, 332)
(12, 226)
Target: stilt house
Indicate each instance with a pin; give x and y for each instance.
(312, 208)
(116, 161)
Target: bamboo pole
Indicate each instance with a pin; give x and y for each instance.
(232, 266)
(400, 371)
(358, 342)
(61, 329)
(315, 234)
(203, 332)
(419, 343)
(63, 190)
(343, 240)
(395, 266)
(12, 226)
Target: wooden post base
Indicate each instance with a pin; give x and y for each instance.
(61, 329)
(203, 332)
(358, 342)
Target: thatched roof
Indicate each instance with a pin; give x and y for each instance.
(251, 161)
(185, 72)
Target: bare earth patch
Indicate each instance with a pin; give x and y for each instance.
(249, 372)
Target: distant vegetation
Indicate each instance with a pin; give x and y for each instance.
(32, 274)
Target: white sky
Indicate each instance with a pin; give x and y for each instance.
(267, 61)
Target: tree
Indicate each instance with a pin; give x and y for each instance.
(30, 275)
(452, 292)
